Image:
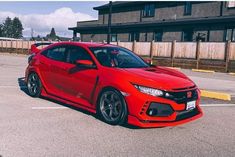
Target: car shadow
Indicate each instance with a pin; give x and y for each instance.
(23, 88)
(22, 85)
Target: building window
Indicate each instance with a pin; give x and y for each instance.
(201, 37)
(134, 36)
(188, 8)
(113, 37)
(230, 34)
(231, 4)
(149, 10)
(158, 35)
(187, 35)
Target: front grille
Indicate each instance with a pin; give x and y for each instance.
(186, 114)
(181, 97)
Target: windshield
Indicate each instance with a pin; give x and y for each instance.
(118, 57)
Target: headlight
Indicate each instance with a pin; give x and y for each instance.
(150, 91)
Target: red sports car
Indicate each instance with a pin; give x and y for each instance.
(114, 83)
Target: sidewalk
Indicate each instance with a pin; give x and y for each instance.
(214, 82)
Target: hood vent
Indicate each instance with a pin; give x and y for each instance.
(151, 69)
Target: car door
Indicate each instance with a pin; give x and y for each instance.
(53, 69)
(80, 82)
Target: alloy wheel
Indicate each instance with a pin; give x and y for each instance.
(34, 85)
(111, 106)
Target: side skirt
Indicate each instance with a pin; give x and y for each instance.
(45, 94)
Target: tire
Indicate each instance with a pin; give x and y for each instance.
(112, 108)
(34, 85)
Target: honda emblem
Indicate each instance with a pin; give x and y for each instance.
(189, 94)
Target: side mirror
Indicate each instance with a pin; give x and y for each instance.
(149, 62)
(85, 64)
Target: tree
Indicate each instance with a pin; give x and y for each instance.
(52, 35)
(12, 28)
(17, 28)
(1, 30)
(7, 28)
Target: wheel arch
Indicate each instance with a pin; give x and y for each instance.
(35, 70)
(110, 88)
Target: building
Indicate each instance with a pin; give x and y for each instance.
(162, 21)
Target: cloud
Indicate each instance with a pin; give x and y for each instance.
(41, 24)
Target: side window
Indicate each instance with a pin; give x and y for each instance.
(57, 53)
(77, 53)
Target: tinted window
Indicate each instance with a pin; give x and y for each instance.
(187, 35)
(230, 34)
(114, 37)
(134, 36)
(148, 10)
(57, 53)
(188, 8)
(77, 53)
(158, 35)
(117, 57)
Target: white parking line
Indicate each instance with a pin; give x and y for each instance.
(49, 108)
(9, 86)
(217, 105)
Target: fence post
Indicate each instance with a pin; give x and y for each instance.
(173, 52)
(28, 46)
(134, 46)
(1, 45)
(22, 46)
(151, 52)
(227, 55)
(118, 43)
(198, 53)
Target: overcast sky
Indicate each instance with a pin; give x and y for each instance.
(42, 16)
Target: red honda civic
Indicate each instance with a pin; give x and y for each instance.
(114, 83)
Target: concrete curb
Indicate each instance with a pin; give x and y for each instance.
(175, 68)
(201, 70)
(231, 74)
(216, 95)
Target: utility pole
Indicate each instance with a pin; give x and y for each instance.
(109, 22)
(32, 32)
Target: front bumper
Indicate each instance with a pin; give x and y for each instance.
(138, 105)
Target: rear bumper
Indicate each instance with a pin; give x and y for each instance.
(149, 124)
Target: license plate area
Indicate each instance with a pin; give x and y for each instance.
(190, 105)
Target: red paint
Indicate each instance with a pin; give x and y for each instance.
(64, 82)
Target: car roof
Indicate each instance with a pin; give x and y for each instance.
(88, 44)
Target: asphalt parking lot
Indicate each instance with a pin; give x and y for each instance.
(39, 127)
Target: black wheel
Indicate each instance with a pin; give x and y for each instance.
(34, 85)
(112, 107)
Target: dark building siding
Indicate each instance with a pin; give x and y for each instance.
(226, 10)
(132, 14)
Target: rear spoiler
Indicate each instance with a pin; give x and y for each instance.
(35, 48)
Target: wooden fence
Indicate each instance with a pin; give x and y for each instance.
(218, 56)
(207, 55)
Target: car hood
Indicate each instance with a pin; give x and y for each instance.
(159, 77)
